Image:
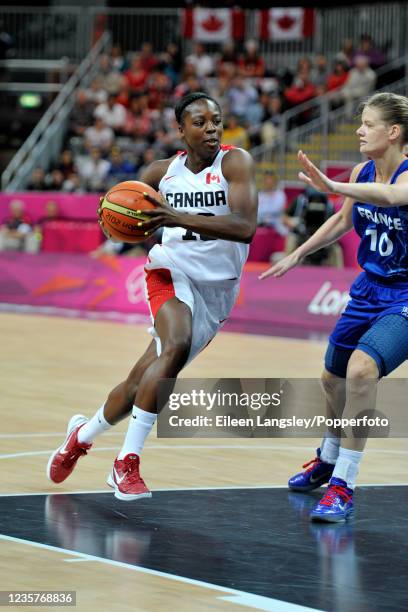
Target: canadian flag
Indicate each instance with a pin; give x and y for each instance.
(213, 25)
(212, 178)
(287, 23)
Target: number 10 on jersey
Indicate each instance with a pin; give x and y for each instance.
(383, 243)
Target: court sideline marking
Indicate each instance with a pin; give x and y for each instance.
(219, 488)
(242, 598)
(246, 447)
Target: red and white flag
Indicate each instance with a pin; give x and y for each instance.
(213, 25)
(287, 23)
(212, 178)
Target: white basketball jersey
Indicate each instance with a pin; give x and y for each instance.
(205, 193)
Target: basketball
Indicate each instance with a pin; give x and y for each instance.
(119, 211)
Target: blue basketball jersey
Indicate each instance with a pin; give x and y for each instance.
(383, 249)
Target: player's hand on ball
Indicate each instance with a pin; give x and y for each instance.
(103, 228)
(105, 231)
(161, 215)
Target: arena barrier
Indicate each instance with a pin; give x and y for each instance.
(307, 300)
(70, 206)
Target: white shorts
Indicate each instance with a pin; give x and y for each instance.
(210, 302)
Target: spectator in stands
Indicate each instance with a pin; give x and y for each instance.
(347, 52)
(147, 57)
(51, 213)
(99, 135)
(270, 85)
(117, 59)
(174, 61)
(304, 67)
(308, 211)
(137, 144)
(72, 184)
(219, 89)
(136, 119)
(302, 88)
(123, 94)
(136, 75)
(189, 84)
(55, 180)
(164, 115)
(338, 77)
(272, 204)
(166, 63)
(16, 231)
(227, 62)
(93, 171)
(121, 169)
(96, 93)
(234, 133)
(112, 114)
(271, 120)
(82, 113)
(375, 57)
(149, 156)
(240, 97)
(335, 81)
(203, 62)
(251, 64)
(166, 142)
(111, 78)
(360, 82)
(146, 115)
(320, 74)
(265, 101)
(65, 163)
(254, 116)
(301, 91)
(158, 86)
(37, 181)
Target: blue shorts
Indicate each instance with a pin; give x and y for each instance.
(375, 321)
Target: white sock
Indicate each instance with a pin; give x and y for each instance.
(329, 449)
(95, 426)
(347, 466)
(140, 426)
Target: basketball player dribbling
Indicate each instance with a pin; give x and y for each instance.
(370, 339)
(209, 214)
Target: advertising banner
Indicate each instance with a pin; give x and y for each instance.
(307, 298)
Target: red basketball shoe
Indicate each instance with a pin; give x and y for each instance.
(125, 478)
(64, 459)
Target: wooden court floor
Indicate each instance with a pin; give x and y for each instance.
(54, 367)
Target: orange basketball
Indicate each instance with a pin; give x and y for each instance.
(119, 211)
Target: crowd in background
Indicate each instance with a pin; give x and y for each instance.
(125, 119)
(292, 224)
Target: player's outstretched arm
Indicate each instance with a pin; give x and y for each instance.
(283, 266)
(239, 225)
(331, 230)
(374, 193)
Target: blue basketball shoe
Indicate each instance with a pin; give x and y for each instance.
(336, 504)
(318, 472)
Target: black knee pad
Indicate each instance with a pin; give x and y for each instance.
(386, 342)
(336, 360)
